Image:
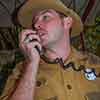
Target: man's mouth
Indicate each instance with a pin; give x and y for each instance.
(41, 33)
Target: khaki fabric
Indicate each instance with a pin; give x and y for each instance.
(55, 83)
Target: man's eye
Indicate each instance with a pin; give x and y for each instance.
(45, 17)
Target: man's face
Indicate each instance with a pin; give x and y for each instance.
(49, 27)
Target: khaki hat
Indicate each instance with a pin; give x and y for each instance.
(25, 13)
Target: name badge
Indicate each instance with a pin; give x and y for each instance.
(90, 74)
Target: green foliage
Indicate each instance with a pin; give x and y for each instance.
(18, 29)
(92, 37)
(9, 38)
(8, 43)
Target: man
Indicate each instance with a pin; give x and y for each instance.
(49, 25)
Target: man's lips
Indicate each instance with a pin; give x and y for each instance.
(41, 33)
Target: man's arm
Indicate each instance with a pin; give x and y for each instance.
(26, 86)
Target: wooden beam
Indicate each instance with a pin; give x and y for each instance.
(88, 9)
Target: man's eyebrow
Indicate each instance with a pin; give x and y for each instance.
(45, 11)
(41, 13)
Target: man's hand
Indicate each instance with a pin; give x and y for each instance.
(28, 40)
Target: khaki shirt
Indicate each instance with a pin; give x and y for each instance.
(56, 83)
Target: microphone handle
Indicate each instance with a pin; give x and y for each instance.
(37, 48)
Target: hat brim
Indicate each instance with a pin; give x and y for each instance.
(25, 14)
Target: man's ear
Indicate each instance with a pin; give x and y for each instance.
(67, 22)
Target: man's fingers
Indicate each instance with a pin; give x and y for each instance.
(32, 37)
(25, 33)
(35, 45)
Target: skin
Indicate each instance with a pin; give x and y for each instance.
(52, 32)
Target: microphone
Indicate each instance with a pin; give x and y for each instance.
(37, 48)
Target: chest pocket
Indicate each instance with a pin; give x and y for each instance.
(43, 89)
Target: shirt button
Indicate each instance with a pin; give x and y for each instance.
(69, 86)
(38, 83)
(41, 82)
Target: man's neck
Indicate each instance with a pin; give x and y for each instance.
(60, 50)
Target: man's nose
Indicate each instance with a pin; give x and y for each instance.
(39, 25)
